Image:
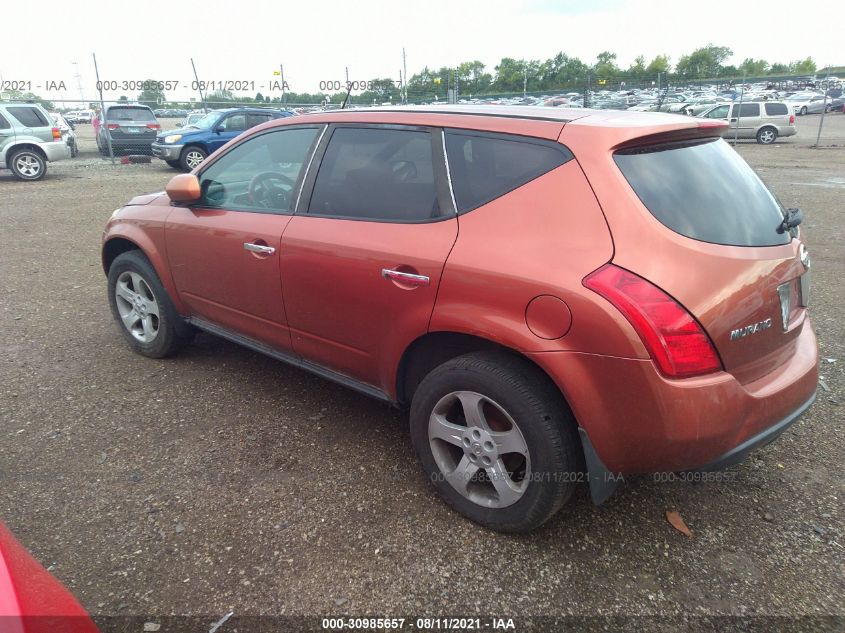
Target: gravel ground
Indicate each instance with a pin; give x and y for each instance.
(223, 481)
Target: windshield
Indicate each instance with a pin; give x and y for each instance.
(206, 122)
(704, 191)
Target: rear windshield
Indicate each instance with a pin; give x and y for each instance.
(705, 191)
(130, 114)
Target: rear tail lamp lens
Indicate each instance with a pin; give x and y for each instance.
(674, 339)
(57, 134)
(113, 126)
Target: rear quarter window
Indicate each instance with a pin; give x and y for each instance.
(4, 124)
(28, 116)
(705, 191)
(486, 166)
(776, 108)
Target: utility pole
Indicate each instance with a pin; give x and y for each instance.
(102, 108)
(824, 108)
(78, 78)
(199, 86)
(404, 78)
(524, 80)
(282, 75)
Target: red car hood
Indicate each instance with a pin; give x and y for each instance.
(31, 599)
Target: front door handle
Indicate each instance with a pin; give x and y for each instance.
(409, 279)
(259, 248)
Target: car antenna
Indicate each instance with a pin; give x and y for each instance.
(346, 98)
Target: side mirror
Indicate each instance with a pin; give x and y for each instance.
(184, 188)
(219, 129)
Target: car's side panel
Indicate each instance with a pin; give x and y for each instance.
(540, 239)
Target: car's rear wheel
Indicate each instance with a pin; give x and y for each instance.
(803, 110)
(174, 163)
(828, 108)
(27, 164)
(767, 136)
(496, 439)
(142, 308)
(191, 157)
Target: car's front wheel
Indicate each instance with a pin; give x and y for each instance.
(803, 110)
(27, 164)
(191, 157)
(142, 308)
(767, 136)
(496, 439)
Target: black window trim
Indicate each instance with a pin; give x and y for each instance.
(513, 138)
(201, 204)
(442, 185)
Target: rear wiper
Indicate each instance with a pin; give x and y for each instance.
(791, 220)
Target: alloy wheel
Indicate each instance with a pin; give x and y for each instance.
(479, 449)
(193, 158)
(28, 165)
(137, 306)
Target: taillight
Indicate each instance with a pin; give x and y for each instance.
(153, 126)
(113, 126)
(57, 134)
(674, 339)
(792, 119)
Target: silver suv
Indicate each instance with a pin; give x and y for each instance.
(28, 140)
(763, 120)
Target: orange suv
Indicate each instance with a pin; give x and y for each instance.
(557, 296)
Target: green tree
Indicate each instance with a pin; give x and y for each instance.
(152, 95)
(562, 71)
(472, 77)
(803, 66)
(660, 64)
(123, 98)
(259, 98)
(636, 71)
(753, 67)
(605, 67)
(779, 69)
(704, 62)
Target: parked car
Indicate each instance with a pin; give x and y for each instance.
(187, 147)
(803, 103)
(129, 127)
(29, 139)
(764, 121)
(31, 599)
(68, 132)
(544, 333)
(80, 116)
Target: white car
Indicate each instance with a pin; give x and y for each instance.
(68, 133)
(808, 103)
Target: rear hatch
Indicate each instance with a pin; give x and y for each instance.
(132, 124)
(718, 248)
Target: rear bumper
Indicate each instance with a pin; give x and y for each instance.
(57, 150)
(640, 422)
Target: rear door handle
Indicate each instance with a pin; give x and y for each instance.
(258, 248)
(410, 279)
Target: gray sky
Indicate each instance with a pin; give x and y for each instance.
(316, 40)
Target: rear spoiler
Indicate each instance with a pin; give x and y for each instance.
(703, 129)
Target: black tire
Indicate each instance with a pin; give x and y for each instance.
(174, 163)
(74, 150)
(28, 164)
(828, 108)
(188, 153)
(767, 135)
(172, 330)
(538, 410)
(803, 110)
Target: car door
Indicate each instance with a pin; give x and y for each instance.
(745, 117)
(224, 249)
(363, 256)
(7, 138)
(226, 129)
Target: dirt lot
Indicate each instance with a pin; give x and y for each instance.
(224, 481)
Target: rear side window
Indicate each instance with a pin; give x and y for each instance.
(776, 108)
(29, 117)
(484, 167)
(746, 109)
(704, 191)
(377, 174)
(4, 124)
(130, 114)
